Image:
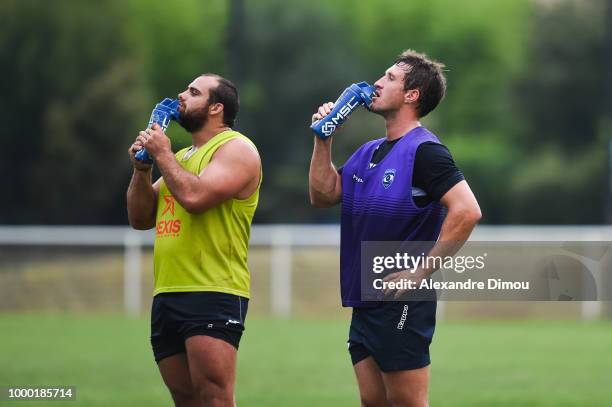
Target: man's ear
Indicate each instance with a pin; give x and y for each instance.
(215, 108)
(411, 96)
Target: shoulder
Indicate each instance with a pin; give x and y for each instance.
(433, 149)
(238, 148)
(432, 156)
(240, 142)
(240, 139)
(430, 146)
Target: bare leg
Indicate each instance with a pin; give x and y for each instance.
(407, 388)
(212, 365)
(370, 382)
(175, 372)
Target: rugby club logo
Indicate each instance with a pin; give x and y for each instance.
(388, 178)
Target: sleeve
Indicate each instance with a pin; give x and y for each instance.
(435, 171)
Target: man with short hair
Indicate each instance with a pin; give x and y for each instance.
(201, 208)
(394, 189)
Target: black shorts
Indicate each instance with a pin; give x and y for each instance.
(396, 334)
(178, 316)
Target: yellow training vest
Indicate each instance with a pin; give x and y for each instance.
(207, 251)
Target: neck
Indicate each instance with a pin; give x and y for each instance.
(400, 122)
(210, 130)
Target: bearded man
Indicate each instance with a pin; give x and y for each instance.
(201, 207)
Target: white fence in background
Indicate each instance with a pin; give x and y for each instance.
(281, 239)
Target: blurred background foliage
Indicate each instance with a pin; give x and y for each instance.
(527, 114)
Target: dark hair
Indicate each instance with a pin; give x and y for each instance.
(226, 94)
(425, 75)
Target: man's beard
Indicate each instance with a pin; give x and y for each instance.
(194, 121)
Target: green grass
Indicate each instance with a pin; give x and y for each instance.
(304, 362)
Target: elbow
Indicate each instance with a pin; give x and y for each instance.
(316, 201)
(139, 222)
(473, 215)
(467, 216)
(193, 206)
(313, 200)
(140, 225)
(317, 204)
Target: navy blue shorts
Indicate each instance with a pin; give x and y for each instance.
(396, 334)
(178, 316)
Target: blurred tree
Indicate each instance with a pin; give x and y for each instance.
(526, 113)
(296, 59)
(482, 45)
(70, 96)
(175, 44)
(307, 53)
(606, 125)
(561, 98)
(561, 92)
(236, 42)
(90, 172)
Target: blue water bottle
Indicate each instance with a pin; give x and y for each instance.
(354, 96)
(162, 114)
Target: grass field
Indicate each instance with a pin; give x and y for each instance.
(304, 362)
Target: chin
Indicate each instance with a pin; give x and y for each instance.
(377, 110)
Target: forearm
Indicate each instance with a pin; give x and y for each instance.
(456, 230)
(182, 184)
(141, 200)
(322, 176)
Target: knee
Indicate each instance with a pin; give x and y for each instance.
(183, 397)
(373, 400)
(213, 393)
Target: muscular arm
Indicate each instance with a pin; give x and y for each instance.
(141, 195)
(324, 182)
(233, 172)
(462, 216)
(437, 174)
(141, 198)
